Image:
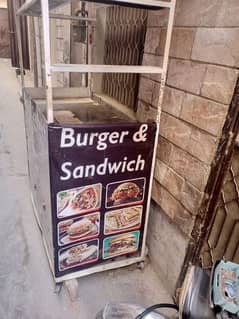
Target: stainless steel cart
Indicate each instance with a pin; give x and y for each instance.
(68, 125)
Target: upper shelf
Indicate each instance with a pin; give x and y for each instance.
(33, 7)
(94, 68)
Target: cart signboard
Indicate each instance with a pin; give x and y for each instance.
(99, 176)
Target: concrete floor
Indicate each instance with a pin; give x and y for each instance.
(26, 284)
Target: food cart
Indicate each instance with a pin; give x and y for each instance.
(91, 164)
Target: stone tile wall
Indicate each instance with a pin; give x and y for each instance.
(60, 30)
(203, 69)
(4, 34)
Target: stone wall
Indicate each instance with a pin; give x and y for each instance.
(204, 59)
(4, 34)
(60, 45)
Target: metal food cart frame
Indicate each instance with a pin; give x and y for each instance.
(41, 8)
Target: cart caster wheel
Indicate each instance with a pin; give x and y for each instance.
(58, 288)
(141, 265)
(72, 287)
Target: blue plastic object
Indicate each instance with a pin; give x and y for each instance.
(225, 290)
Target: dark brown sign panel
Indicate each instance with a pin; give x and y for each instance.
(99, 190)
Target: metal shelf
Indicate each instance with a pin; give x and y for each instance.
(42, 7)
(93, 68)
(33, 7)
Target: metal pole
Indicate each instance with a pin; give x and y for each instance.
(19, 44)
(47, 59)
(166, 56)
(90, 30)
(69, 17)
(38, 51)
(62, 16)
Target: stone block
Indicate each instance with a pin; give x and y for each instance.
(163, 235)
(213, 13)
(189, 167)
(145, 113)
(146, 87)
(228, 13)
(160, 171)
(183, 191)
(175, 130)
(181, 44)
(217, 45)
(157, 18)
(202, 145)
(186, 75)
(172, 207)
(169, 179)
(164, 150)
(156, 93)
(207, 115)
(191, 198)
(152, 40)
(153, 60)
(219, 83)
(172, 101)
(196, 12)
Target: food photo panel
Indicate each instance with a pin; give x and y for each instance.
(80, 254)
(123, 219)
(78, 200)
(76, 229)
(125, 193)
(121, 244)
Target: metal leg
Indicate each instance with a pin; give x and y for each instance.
(58, 287)
(47, 59)
(162, 86)
(19, 44)
(72, 287)
(166, 56)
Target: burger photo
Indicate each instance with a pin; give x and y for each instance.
(121, 244)
(81, 228)
(124, 193)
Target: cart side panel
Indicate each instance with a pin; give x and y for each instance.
(100, 190)
(38, 165)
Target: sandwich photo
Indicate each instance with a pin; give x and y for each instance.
(85, 199)
(80, 228)
(123, 219)
(78, 255)
(78, 200)
(129, 192)
(121, 244)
